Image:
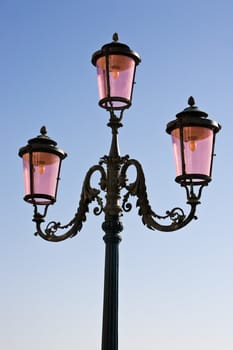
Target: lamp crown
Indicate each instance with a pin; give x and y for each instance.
(43, 138)
(115, 48)
(42, 143)
(192, 111)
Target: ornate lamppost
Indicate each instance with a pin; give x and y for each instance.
(193, 139)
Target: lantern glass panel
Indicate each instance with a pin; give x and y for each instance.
(197, 148)
(40, 180)
(121, 74)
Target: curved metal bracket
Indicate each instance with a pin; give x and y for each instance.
(177, 217)
(88, 195)
(138, 188)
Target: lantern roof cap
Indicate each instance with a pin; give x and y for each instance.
(42, 143)
(192, 110)
(115, 48)
(192, 116)
(43, 138)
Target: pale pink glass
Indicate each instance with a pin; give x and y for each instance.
(45, 174)
(121, 77)
(198, 142)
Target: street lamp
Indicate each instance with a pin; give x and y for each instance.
(193, 138)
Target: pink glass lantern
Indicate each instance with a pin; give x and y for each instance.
(193, 138)
(116, 65)
(41, 168)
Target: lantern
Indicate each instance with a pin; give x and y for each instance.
(116, 65)
(193, 138)
(41, 168)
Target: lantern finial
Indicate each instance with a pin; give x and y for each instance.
(191, 101)
(115, 37)
(43, 130)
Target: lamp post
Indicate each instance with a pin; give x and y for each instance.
(193, 138)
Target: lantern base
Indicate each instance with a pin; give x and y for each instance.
(114, 103)
(193, 179)
(39, 199)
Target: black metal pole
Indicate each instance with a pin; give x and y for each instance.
(112, 227)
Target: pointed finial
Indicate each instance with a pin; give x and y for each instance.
(191, 101)
(115, 37)
(43, 130)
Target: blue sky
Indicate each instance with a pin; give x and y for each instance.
(175, 288)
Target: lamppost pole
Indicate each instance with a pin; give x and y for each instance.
(112, 227)
(193, 140)
(110, 305)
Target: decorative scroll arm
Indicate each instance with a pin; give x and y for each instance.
(177, 217)
(88, 195)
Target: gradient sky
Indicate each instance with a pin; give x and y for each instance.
(176, 289)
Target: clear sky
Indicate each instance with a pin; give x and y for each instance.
(176, 289)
